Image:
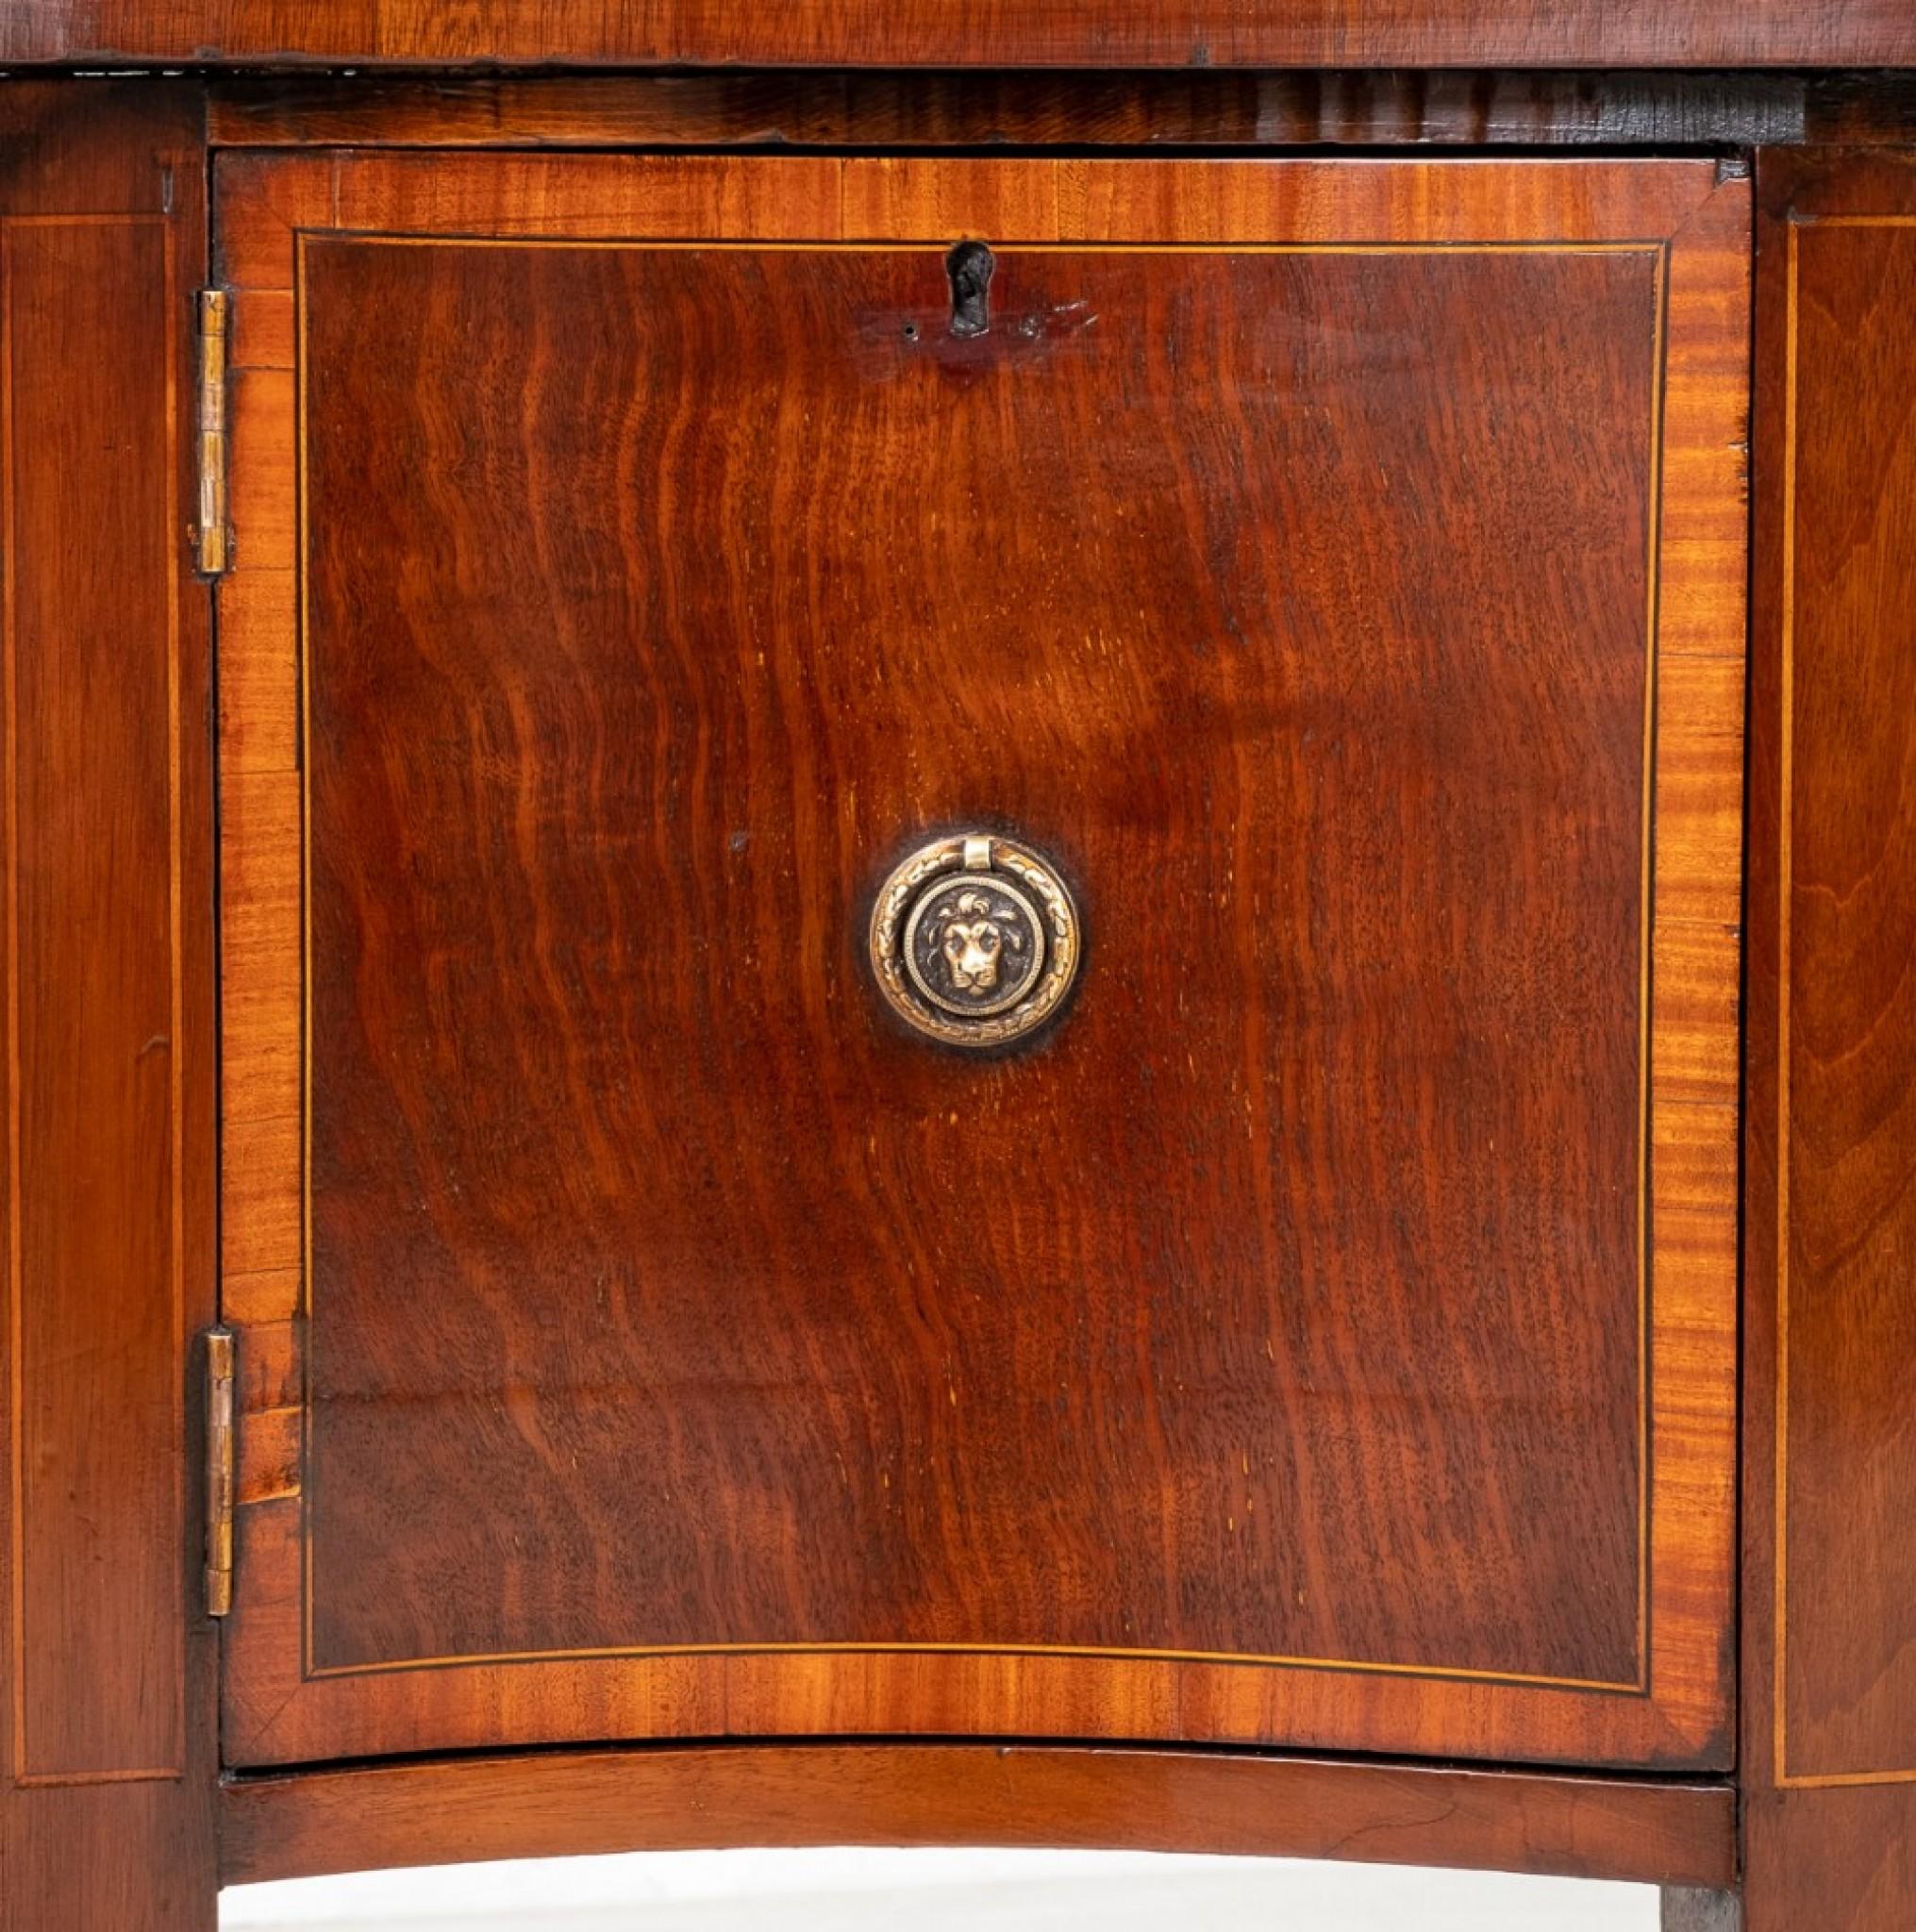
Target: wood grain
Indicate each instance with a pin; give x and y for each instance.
(1849, 1332)
(1828, 1701)
(822, 1072)
(1846, 1034)
(108, 844)
(673, 1798)
(1840, 1855)
(95, 1268)
(1030, 671)
(993, 33)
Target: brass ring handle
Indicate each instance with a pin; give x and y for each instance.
(974, 940)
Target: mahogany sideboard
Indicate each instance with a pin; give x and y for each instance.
(959, 926)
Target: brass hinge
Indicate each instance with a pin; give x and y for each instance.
(211, 542)
(219, 1472)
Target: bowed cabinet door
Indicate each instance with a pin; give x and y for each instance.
(1317, 588)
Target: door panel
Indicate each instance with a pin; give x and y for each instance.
(647, 1334)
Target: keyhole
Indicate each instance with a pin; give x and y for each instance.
(970, 265)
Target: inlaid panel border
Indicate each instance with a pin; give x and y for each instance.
(1657, 257)
(32, 1649)
(1793, 230)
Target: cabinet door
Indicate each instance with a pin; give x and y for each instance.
(1320, 1330)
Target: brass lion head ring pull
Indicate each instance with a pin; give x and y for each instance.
(974, 940)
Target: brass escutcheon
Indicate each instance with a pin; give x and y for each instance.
(974, 940)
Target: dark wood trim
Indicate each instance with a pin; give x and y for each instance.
(1156, 111)
(107, 1754)
(683, 1797)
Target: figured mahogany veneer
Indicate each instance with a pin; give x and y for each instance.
(987, 33)
(106, 1713)
(675, 1797)
(538, 577)
(690, 1351)
(1828, 1684)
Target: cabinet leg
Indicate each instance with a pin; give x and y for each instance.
(1840, 1859)
(119, 1857)
(1688, 1910)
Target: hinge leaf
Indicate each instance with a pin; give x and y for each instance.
(212, 544)
(219, 1470)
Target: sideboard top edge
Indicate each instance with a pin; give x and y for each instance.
(1206, 34)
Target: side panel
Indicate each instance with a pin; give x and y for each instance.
(1829, 1618)
(107, 1013)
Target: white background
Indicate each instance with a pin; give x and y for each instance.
(935, 1892)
